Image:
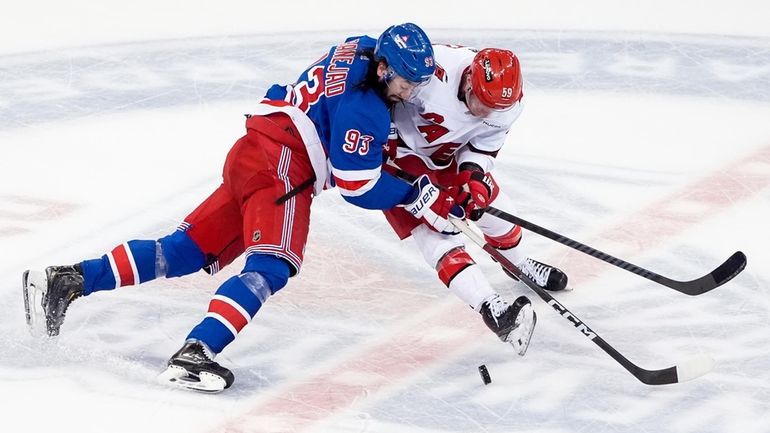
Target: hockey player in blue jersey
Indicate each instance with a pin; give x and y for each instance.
(327, 129)
(343, 92)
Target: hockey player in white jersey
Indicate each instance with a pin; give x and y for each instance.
(452, 130)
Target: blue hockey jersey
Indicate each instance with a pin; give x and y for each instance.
(352, 122)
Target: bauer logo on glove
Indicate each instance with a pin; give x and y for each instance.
(428, 195)
(433, 206)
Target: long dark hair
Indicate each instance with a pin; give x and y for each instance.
(371, 81)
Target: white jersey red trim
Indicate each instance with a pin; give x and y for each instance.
(437, 127)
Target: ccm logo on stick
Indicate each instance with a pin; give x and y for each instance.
(585, 330)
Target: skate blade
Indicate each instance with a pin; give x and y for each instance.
(34, 286)
(180, 378)
(525, 327)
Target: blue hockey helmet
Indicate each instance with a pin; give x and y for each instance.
(408, 52)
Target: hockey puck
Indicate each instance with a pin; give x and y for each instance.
(484, 374)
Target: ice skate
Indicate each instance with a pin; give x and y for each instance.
(48, 294)
(546, 276)
(192, 367)
(513, 324)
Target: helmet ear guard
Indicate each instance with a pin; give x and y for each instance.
(496, 78)
(407, 51)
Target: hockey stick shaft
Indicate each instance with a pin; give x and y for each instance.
(675, 374)
(722, 274)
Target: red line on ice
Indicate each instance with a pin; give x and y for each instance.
(668, 217)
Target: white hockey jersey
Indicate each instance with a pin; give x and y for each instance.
(437, 127)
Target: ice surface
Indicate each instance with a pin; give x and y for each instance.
(649, 140)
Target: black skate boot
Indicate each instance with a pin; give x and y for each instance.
(56, 289)
(192, 367)
(513, 324)
(545, 276)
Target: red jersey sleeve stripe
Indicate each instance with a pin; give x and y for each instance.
(350, 185)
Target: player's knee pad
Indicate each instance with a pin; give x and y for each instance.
(273, 269)
(434, 245)
(452, 263)
(507, 240)
(182, 255)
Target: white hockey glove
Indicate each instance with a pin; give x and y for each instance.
(433, 206)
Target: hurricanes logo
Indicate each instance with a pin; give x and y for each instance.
(256, 236)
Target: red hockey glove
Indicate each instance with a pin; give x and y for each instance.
(479, 189)
(433, 206)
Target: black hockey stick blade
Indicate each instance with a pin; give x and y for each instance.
(722, 274)
(691, 369)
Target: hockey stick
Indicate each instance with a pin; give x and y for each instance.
(688, 370)
(722, 274)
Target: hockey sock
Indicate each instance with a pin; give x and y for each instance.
(231, 308)
(239, 298)
(139, 261)
(506, 241)
(471, 286)
(130, 263)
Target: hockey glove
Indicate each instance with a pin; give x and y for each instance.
(479, 189)
(433, 206)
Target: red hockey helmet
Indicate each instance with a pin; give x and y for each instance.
(496, 78)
